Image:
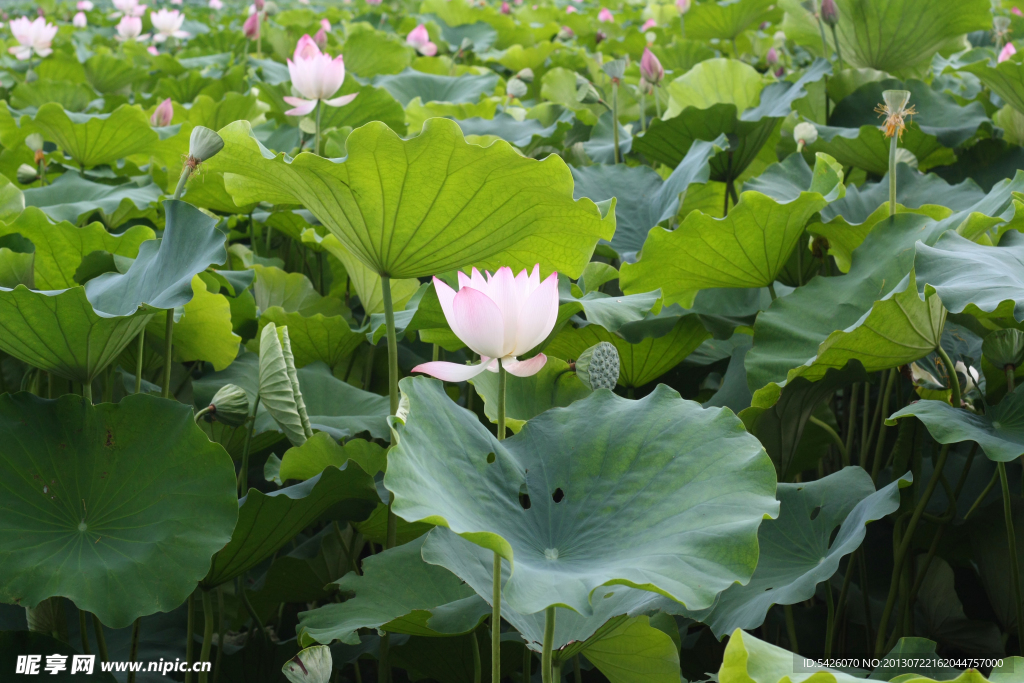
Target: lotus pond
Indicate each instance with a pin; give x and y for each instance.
(461, 341)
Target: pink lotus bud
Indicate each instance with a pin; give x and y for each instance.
(1016, 10)
(605, 16)
(772, 58)
(496, 326)
(684, 6)
(260, 4)
(829, 12)
(84, 5)
(251, 27)
(320, 38)
(79, 20)
(1008, 51)
(325, 25)
(216, 5)
(570, 10)
(152, 50)
(163, 113)
(648, 25)
(506, 8)
(420, 39)
(650, 68)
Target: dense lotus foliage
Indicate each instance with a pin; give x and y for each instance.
(636, 341)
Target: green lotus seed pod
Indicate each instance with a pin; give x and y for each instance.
(27, 174)
(204, 144)
(230, 405)
(1004, 347)
(598, 366)
(312, 665)
(896, 100)
(615, 69)
(34, 142)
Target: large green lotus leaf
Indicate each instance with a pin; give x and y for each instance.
(369, 53)
(72, 97)
(233, 106)
(678, 539)
(328, 339)
(266, 521)
(431, 204)
(109, 73)
(15, 269)
(723, 96)
(59, 332)
(798, 550)
(400, 593)
(433, 88)
(600, 148)
(60, 248)
(974, 278)
(898, 35)
(610, 312)
(641, 359)
(204, 331)
(748, 248)
(161, 276)
(1005, 79)
(555, 386)
(643, 199)
(12, 200)
(727, 19)
(313, 457)
(71, 197)
(208, 192)
(790, 331)
(371, 104)
(366, 283)
(292, 292)
(778, 417)
(96, 139)
(117, 507)
(866, 147)
(749, 660)
(999, 432)
(523, 134)
(847, 221)
(480, 34)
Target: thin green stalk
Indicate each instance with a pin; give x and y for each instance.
(865, 415)
(851, 420)
(384, 673)
(771, 291)
(794, 645)
(220, 632)
(87, 391)
(204, 654)
(1011, 539)
(190, 630)
(383, 665)
(954, 381)
(549, 641)
(884, 412)
(435, 353)
(243, 472)
(316, 135)
(496, 619)
(502, 382)
(182, 179)
(830, 627)
(902, 551)
(101, 639)
(843, 597)
(643, 111)
(615, 120)
(839, 54)
(202, 412)
(527, 663)
(133, 650)
(168, 336)
(577, 675)
(984, 494)
(893, 144)
(257, 623)
(657, 102)
(835, 438)
(259, 36)
(821, 28)
(477, 672)
(139, 349)
(83, 629)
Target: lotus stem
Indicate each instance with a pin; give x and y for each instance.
(190, 630)
(771, 291)
(954, 381)
(851, 419)
(133, 651)
(204, 654)
(643, 111)
(657, 102)
(83, 629)
(821, 28)
(384, 673)
(839, 54)
(316, 134)
(1009, 370)
(576, 673)
(834, 436)
(791, 628)
(168, 336)
(549, 640)
(883, 411)
(243, 473)
(202, 412)
(182, 179)
(496, 620)
(101, 639)
(893, 145)
(220, 632)
(1011, 539)
(477, 667)
(527, 663)
(138, 360)
(831, 625)
(984, 494)
(87, 391)
(615, 119)
(904, 547)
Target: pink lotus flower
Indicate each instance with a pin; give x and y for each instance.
(251, 27)
(684, 6)
(130, 8)
(373, 2)
(1016, 10)
(506, 8)
(32, 36)
(316, 76)
(420, 39)
(650, 68)
(163, 113)
(570, 10)
(167, 24)
(605, 16)
(320, 38)
(129, 28)
(325, 25)
(84, 5)
(152, 50)
(216, 4)
(1008, 51)
(499, 317)
(79, 20)
(772, 57)
(649, 24)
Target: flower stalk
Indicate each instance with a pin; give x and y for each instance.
(549, 639)
(895, 111)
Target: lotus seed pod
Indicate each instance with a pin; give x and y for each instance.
(598, 366)
(806, 133)
(34, 142)
(896, 100)
(525, 75)
(1003, 348)
(27, 174)
(312, 665)
(204, 144)
(515, 88)
(230, 405)
(615, 69)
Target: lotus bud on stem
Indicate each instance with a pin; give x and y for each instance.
(830, 17)
(895, 111)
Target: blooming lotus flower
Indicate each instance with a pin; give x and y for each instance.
(79, 20)
(163, 113)
(316, 76)
(506, 8)
(420, 39)
(650, 68)
(32, 36)
(648, 25)
(499, 317)
(570, 10)
(1016, 10)
(684, 6)
(1008, 51)
(84, 5)
(605, 16)
(251, 27)
(130, 8)
(216, 4)
(167, 24)
(129, 28)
